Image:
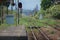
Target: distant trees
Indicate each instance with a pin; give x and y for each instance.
(46, 4)
(50, 9)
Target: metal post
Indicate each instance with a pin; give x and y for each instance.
(2, 14)
(18, 13)
(12, 1)
(11, 9)
(7, 10)
(7, 5)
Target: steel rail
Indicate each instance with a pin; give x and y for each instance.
(42, 33)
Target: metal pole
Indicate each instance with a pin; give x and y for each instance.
(18, 13)
(11, 7)
(2, 13)
(7, 10)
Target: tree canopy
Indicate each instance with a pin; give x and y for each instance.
(4, 2)
(46, 4)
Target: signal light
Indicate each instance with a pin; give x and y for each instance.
(20, 5)
(13, 4)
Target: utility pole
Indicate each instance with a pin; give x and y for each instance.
(2, 14)
(18, 12)
(7, 5)
(12, 4)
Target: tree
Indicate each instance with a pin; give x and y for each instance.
(54, 12)
(46, 4)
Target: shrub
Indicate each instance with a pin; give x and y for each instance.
(54, 11)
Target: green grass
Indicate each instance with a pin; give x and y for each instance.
(30, 21)
(5, 25)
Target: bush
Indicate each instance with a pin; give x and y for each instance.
(54, 11)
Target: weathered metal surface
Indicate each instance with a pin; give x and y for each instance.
(10, 19)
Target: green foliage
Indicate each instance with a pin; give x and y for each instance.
(42, 11)
(31, 21)
(36, 16)
(51, 10)
(46, 4)
(54, 11)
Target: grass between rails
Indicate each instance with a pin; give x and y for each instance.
(30, 21)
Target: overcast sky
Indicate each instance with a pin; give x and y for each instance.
(29, 4)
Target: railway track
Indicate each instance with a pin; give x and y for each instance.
(40, 35)
(43, 34)
(57, 27)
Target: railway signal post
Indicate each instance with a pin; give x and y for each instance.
(19, 8)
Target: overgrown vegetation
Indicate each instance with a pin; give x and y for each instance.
(46, 4)
(51, 10)
(31, 21)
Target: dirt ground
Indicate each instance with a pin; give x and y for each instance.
(13, 31)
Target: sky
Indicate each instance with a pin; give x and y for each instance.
(28, 4)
